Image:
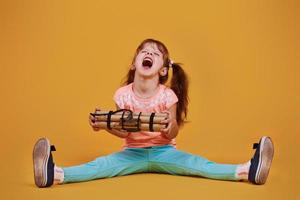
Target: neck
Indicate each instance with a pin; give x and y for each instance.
(145, 87)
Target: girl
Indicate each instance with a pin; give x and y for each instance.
(144, 91)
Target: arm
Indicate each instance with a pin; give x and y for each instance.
(172, 130)
(121, 134)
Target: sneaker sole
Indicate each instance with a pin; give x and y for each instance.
(265, 160)
(41, 153)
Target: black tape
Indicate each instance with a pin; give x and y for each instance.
(109, 119)
(151, 122)
(139, 122)
(122, 119)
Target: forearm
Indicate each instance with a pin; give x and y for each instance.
(173, 132)
(121, 134)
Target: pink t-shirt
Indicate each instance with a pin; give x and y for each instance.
(164, 98)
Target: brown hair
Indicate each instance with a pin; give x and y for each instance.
(179, 82)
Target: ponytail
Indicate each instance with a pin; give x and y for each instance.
(179, 84)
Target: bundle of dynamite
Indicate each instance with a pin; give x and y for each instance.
(127, 120)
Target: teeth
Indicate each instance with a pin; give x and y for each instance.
(148, 59)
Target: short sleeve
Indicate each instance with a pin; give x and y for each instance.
(171, 98)
(118, 98)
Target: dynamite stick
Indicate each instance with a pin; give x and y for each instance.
(133, 113)
(143, 127)
(143, 118)
(125, 119)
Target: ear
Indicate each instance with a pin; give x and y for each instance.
(163, 71)
(132, 67)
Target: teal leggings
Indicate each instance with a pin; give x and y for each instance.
(158, 159)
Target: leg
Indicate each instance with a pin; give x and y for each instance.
(122, 163)
(173, 161)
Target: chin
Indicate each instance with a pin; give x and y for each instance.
(145, 74)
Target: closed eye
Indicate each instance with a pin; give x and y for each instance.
(155, 53)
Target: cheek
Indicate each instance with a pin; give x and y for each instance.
(138, 59)
(160, 61)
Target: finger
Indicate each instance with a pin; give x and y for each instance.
(165, 121)
(97, 124)
(96, 129)
(97, 110)
(167, 112)
(92, 119)
(168, 126)
(91, 123)
(165, 130)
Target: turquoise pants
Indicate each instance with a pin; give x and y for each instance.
(158, 159)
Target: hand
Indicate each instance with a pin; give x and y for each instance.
(93, 122)
(171, 130)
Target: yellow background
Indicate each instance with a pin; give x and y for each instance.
(61, 59)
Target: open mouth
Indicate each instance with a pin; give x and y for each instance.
(147, 62)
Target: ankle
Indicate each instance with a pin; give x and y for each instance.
(242, 171)
(58, 175)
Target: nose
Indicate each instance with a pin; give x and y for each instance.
(150, 53)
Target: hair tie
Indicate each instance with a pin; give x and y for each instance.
(170, 63)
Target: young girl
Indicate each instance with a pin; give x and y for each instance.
(144, 91)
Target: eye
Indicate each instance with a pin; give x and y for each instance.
(157, 54)
(143, 51)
